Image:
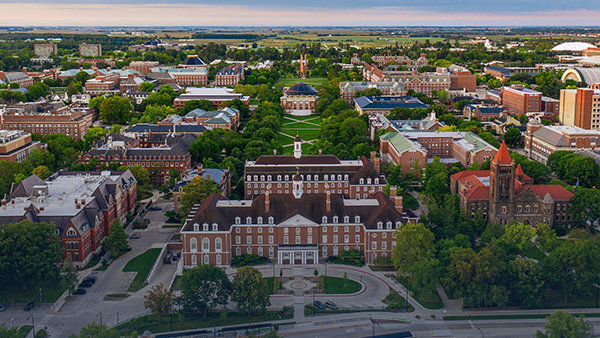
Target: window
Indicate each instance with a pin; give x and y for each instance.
(248, 220)
(357, 238)
(259, 220)
(374, 245)
(309, 239)
(271, 220)
(248, 239)
(384, 235)
(297, 230)
(260, 240)
(286, 240)
(335, 250)
(215, 227)
(271, 230)
(324, 251)
(286, 230)
(271, 239)
(346, 228)
(297, 239)
(357, 228)
(194, 262)
(383, 245)
(379, 225)
(205, 259)
(346, 219)
(325, 229)
(205, 244)
(324, 239)
(335, 220)
(238, 251)
(324, 220)
(205, 227)
(238, 230)
(346, 238)
(196, 227)
(335, 238)
(218, 259)
(271, 251)
(193, 245)
(249, 250)
(309, 230)
(238, 220)
(218, 244)
(356, 219)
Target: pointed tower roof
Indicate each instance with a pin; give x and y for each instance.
(519, 170)
(503, 156)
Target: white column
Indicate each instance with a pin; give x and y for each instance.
(316, 256)
(303, 257)
(279, 257)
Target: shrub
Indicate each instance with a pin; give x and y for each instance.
(248, 259)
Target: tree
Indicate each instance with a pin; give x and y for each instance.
(142, 176)
(195, 191)
(203, 288)
(562, 324)
(585, 207)
(197, 104)
(517, 236)
(117, 239)
(546, 238)
(115, 110)
(159, 300)
(513, 137)
(147, 87)
(250, 291)
(12, 332)
(527, 281)
(414, 245)
(42, 172)
(38, 90)
(74, 88)
(69, 275)
(93, 330)
(81, 77)
(29, 252)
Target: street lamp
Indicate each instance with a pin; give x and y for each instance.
(40, 295)
(100, 314)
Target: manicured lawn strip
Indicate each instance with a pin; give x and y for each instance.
(533, 252)
(428, 297)
(24, 330)
(308, 310)
(189, 322)
(142, 265)
(396, 302)
(337, 285)
(287, 82)
(312, 118)
(554, 299)
(500, 317)
(14, 293)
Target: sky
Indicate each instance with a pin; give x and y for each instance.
(300, 13)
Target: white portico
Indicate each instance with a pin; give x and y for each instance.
(298, 254)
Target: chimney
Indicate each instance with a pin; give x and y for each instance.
(274, 151)
(320, 151)
(328, 201)
(267, 201)
(377, 165)
(42, 208)
(373, 155)
(393, 192)
(398, 203)
(82, 202)
(77, 206)
(200, 168)
(3, 201)
(76, 200)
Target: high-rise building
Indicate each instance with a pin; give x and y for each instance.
(580, 107)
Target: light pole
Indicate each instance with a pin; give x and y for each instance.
(117, 318)
(100, 315)
(372, 325)
(40, 295)
(313, 304)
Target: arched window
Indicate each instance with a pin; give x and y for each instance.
(287, 177)
(218, 244)
(196, 227)
(256, 177)
(389, 225)
(335, 219)
(356, 219)
(193, 244)
(205, 227)
(379, 225)
(279, 177)
(205, 244)
(215, 227)
(339, 177)
(324, 220)
(271, 220)
(238, 220)
(346, 219)
(269, 177)
(259, 220)
(248, 220)
(262, 178)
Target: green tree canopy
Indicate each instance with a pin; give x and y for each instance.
(115, 110)
(250, 291)
(562, 324)
(204, 287)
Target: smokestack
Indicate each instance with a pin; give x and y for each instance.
(328, 201)
(377, 165)
(320, 151)
(373, 154)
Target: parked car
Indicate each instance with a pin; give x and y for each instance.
(319, 305)
(126, 249)
(79, 291)
(29, 306)
(2, 307)
(331, 305)
(175, 258)
(134, 235)
(91, 279)
(86, 284)
(155, 208)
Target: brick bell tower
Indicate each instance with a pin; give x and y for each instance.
(502, 186)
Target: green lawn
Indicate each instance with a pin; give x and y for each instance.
(51, 291)
(309, 309)
(396, 302)
(533, 252)
(428, 297)
(337, 285)
(556, 299)
(180, 322)
(313, 81)
(24, 330)
(305, 130)
(142, 265)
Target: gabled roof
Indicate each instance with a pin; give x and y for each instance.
(502, 156)
(556, 191)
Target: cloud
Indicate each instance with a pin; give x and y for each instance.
(105, 14)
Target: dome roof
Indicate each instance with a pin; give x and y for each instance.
(301, 89)
(573, 46)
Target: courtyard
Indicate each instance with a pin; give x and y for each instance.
(307, 127)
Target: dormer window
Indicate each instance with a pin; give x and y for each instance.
(205, 227)
(379, 225)
(324, 220)
(215, 227)
(287, 177)
(346, 219)
(335, 219)
(325, 177)
(398, 224)
(377, 181)
(259, 220)
(279, 177)
(196, 227)
(368, 180)
(248, 220)
(256, 177)
(346, 177)
(269, 178)
(249, 178)
(57, 231)
(356, 219)
(262, 178)
(316, 177)
(271, 220)
(238, 220)
(389, 225)
(362, 181)
(339, 177)
(308, 177)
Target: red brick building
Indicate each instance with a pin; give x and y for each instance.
(48, 118)
(463, 80)
(16, 145)
(229, 76)
(82, 205)
(144, 67)
(215, 95)
(520, 100)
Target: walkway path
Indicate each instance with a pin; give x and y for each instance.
(307, 121)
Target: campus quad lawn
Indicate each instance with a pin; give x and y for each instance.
(141, 264)
(288, 82)
(51, 291)
(337, 285)
(189, 322)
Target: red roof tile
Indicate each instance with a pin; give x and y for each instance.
(503, 156)
(519, 170)
(478, 193)
(557, 192)
(458, 176)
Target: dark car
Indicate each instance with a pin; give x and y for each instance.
(319, 305)
(126, 249)
(134, 235)
(91, 279)
(79, 291)
(2, 307)
(86, 284)
(155, 208)
(29, 306)
(331, 305)
(175, 258)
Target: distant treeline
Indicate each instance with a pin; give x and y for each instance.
(241, 36)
